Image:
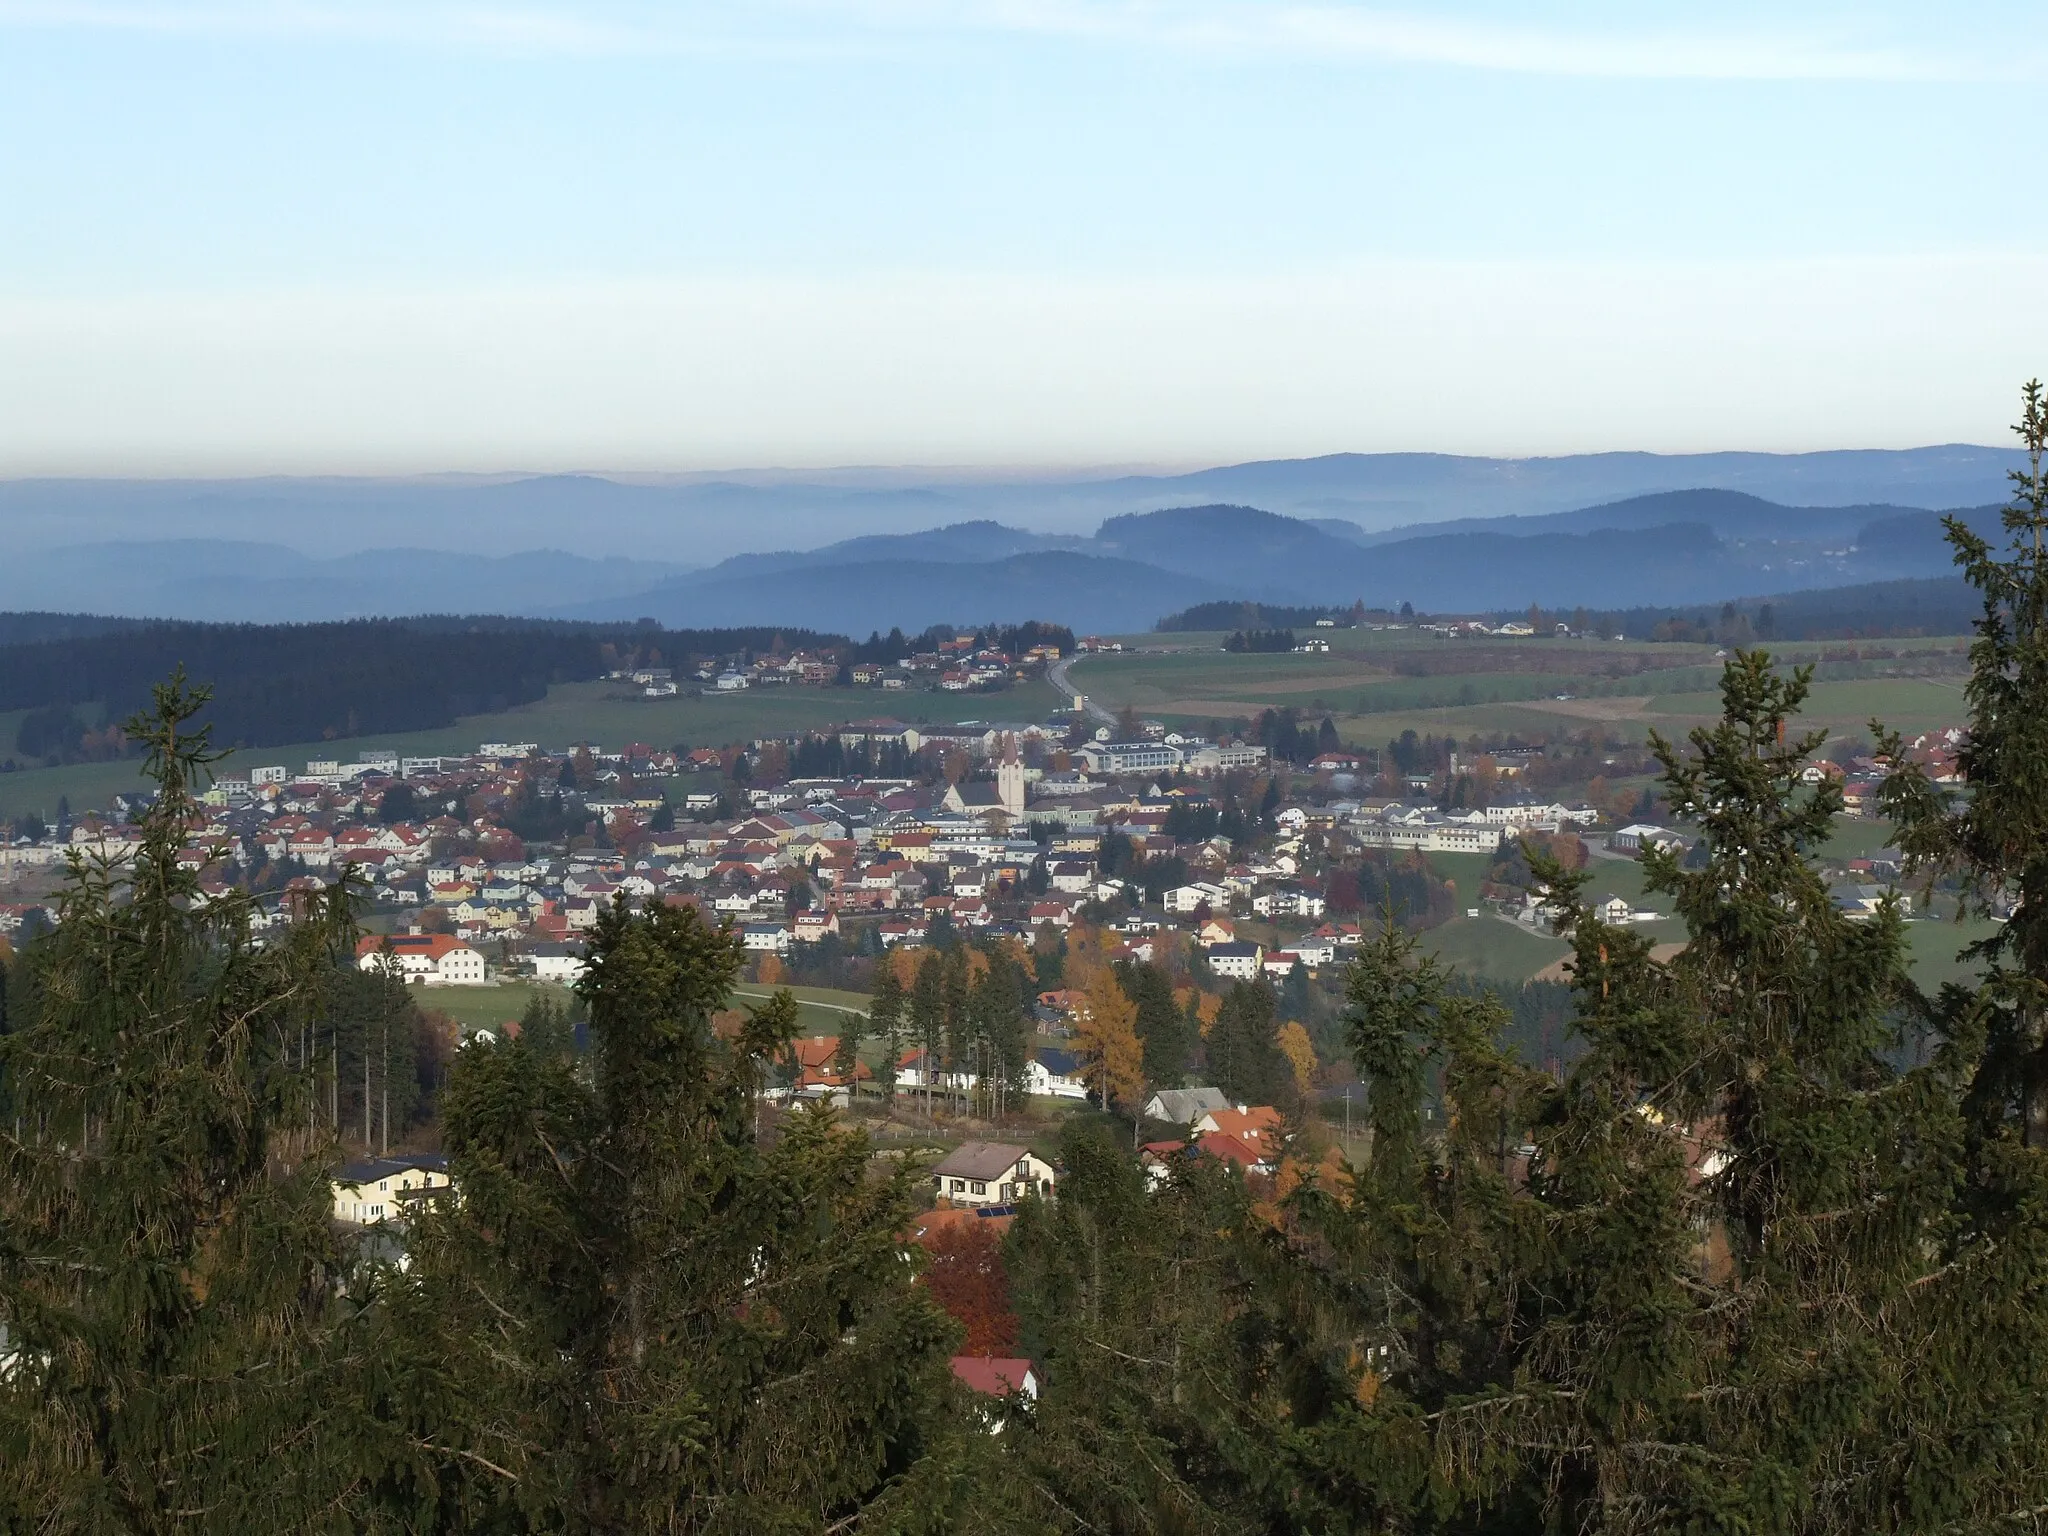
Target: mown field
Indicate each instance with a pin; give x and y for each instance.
(1375, 685)
(571, 712)
(1503, 951)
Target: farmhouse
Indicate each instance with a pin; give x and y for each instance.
(429, 959)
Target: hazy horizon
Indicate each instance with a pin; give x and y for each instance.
(383, 239)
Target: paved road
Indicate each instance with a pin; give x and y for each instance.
(758, 994)
(1056, 674)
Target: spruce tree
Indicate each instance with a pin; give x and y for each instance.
(1003, 1027)
(846, 1054)
(928, 1018)
(645, 1312)
(885, 1022)
(544, 1026)
(1161, 1024)
(1741, 1269)
(177, 1356)
(1244, 1058)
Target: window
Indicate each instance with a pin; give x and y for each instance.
(980, 1188)
(959, 1185)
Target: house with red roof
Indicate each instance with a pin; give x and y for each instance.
(1258, 1126)
(1233, 1151)
(814, 1061)
(997, 1377)
(429, 959)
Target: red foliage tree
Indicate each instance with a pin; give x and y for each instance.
(966, 1276)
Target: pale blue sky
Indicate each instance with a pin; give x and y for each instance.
(413, 236)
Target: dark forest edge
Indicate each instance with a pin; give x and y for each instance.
(271, 684)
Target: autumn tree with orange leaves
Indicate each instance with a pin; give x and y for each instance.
(964, 1273)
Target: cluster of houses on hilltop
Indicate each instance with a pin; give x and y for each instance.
(952, 666)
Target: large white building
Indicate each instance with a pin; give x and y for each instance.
(1431, 836)
(1116, 757)
(427, 959)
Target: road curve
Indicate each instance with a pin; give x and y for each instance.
(1056, 674)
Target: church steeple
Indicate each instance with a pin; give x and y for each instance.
(1010, 778)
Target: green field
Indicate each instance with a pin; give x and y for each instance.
(571, 712)
(1909, 704)
(1934, 944)
(1493, 948)
(1369, 684)
(485, 1007)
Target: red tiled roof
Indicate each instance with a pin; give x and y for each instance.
(997, 1378)
(432, 945)
(1229, 1148)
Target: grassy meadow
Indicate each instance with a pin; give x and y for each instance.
(1376, 684)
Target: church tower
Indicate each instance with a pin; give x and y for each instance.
(1010, 779)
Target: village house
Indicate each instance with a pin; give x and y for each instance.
(992, 1173)
(385, 1188)
(430, 959)
(1236, 961)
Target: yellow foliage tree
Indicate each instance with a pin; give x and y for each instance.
(1106, 1041)
(1207, 1009)
(772, 971)
(904, 960)
(1300, 1053)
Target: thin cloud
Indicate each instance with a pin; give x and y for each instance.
(1851, 49)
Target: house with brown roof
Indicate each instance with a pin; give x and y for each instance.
(992, 1173)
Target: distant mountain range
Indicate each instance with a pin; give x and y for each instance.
(245, 581)
(1683, 547)
(604, 549)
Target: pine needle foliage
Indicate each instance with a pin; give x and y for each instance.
(1740, 1270)
(175, 1357)
(646, 1312)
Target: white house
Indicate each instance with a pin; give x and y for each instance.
(1278, 965)
(563, 964)
(1314, 951)
(429, 959)
(1187, 898)
(1640, 835)
(1237, 961)
(1054, 1074)
(767, 938)
(992, 1173)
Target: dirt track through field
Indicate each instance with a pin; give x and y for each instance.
(1558, 970)
(1633, 707)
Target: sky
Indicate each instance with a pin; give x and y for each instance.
(245, 238)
